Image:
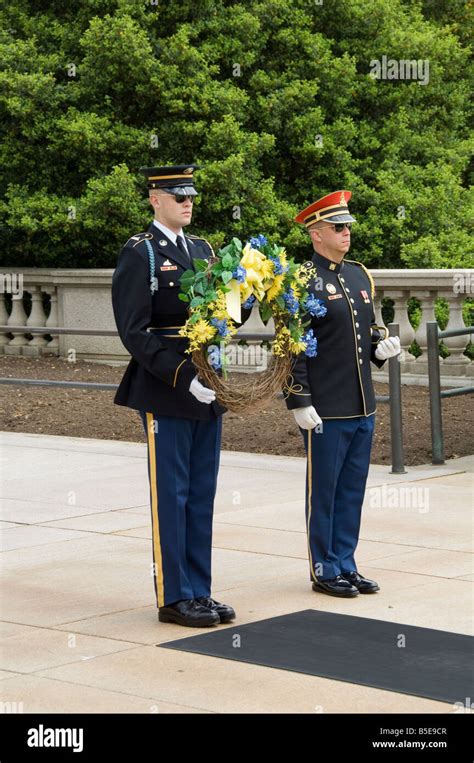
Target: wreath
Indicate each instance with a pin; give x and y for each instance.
(235, 278)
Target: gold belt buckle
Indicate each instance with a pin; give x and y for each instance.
(381, 328)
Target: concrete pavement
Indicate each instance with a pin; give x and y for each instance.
(78, 617)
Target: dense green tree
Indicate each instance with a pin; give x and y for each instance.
(274, 98)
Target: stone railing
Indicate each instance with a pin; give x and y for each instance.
(81, 299)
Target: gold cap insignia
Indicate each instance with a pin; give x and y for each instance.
(342, 200)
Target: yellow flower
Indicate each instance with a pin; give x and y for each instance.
(281, 341)
(298, 288)
(198, 333)
(297, 347)
(267, 268)
(276, 287)
(218, 308)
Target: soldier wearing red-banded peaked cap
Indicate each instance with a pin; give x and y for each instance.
(332, 396)
(331, 208)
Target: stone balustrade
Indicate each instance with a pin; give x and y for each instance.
(81, 299)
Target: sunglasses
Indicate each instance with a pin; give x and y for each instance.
(339, 227)
(179, 198)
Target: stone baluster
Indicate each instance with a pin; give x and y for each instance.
(52, 320)
(36, 319)
(256, 358)
(427, 305)
(17, 317)
(455, 364)
(255, 325)
(379, 295)
(4, 338)
(407, 332)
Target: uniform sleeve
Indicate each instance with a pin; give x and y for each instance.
(132, 306)
(376, 336)
(297, 391)
(375, 333)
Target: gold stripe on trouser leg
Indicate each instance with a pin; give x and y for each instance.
(156, 542)
(310, 495)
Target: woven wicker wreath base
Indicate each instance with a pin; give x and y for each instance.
(245, 396)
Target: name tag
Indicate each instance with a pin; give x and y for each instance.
(168, 267)
(335, 296)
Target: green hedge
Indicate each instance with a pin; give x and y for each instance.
(274, 98)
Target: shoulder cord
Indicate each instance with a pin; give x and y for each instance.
(151, 258)
(370, 277)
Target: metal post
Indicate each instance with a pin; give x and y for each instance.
(395, 395)
(437, 444)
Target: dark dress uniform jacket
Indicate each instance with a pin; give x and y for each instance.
(159, 373)
(338, 381)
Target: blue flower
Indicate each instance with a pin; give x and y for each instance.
(290, 301)
(311, 344)
(249, 302)
(221, 326)
(240, 274)
(277, 266)
(315, 307)
(214, 357)
(258, 241)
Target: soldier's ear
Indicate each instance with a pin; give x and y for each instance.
(153, 199)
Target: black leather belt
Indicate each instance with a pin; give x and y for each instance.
(168, 331)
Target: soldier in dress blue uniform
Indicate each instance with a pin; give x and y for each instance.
(332, 397)
(181, 418)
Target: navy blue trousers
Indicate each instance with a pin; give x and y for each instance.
(338, 459)
(183, 462)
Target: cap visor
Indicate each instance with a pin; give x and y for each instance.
(345, 218)
(187, 190)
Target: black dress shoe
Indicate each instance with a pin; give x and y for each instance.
(188, 612)
(364, 585)
(337, 586)
(225, 612)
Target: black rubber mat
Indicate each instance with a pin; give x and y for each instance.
(392, 656)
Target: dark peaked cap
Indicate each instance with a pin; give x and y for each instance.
(177, 178)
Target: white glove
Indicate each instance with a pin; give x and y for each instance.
(200, 392)
(387, 348)
(307, 418)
